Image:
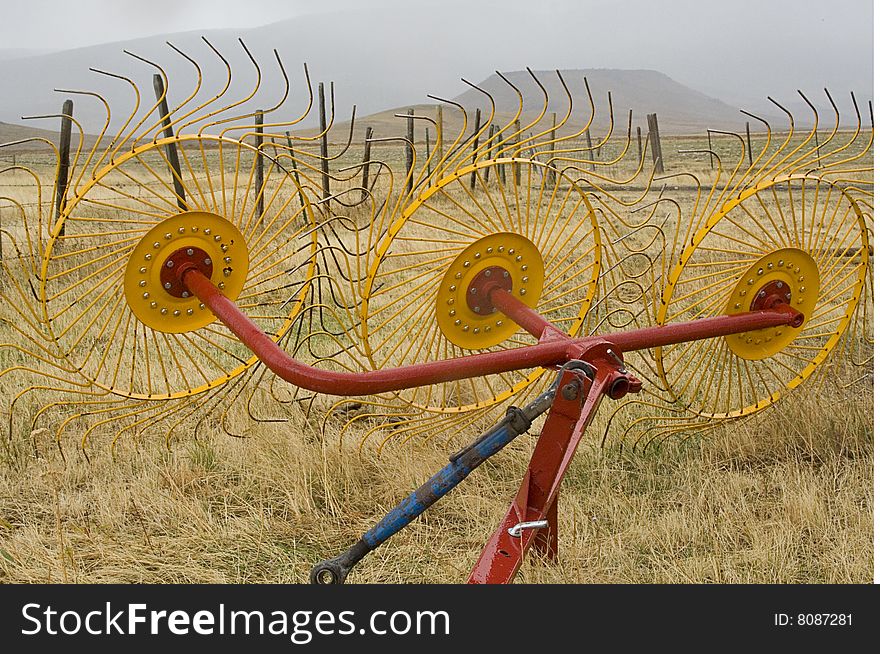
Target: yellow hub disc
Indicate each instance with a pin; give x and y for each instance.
(790, 270)
(222, 249)
(474, 328)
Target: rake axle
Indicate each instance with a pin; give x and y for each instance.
(554, 348)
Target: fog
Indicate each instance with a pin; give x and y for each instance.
(387, 52)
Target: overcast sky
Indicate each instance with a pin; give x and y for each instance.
(737, 50)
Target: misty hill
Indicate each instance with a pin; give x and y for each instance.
(679, 109)
(379, 57)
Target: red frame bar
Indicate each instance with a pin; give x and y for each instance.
(554, 348)
(537, 496)
(576, 402)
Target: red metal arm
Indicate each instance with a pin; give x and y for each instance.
(554, 349)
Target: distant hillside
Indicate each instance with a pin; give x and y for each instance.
(10, 133)
(679, 109)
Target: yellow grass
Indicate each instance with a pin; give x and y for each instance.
(783, 499)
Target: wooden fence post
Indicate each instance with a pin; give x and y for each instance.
(749, 142)
(63, 160)
(439, 134)
(711, 158)
(476, 145)
(590, 146)
(654, 140)
(325, 152)
(302, 203)
(498, 147)
(639, 137)
(551, 176)
(258, 173)
(489, 143)
(170, 148)
(428, 150)
(410, 150)
(517, 175)
(366, 165)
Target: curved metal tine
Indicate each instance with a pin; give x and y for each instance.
(100, 136)
(496, 146)
(580, 164)
(799, 147)
(835, 165)
(27, 263)
(346, 276)
(817, 149)
(153, 107)
(320, 134)
(298, 119)
(173, 118)
(184, 125)
(464, 153)
(79, 146)
(422, 178)
(459, 141)
(196, 403)
(258, 386)
(250, 129)
(139, 427)
(762, 172)
(243, 116)
(558, 126)
(233, 105)
(534, 142)
(34, 241)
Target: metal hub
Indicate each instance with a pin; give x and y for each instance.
(463, 311)
(485, 281)
(153, 289)
(785, 276)
(170, 271)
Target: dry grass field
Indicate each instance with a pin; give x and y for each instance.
(784, 497)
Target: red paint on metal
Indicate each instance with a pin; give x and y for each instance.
(524, 316)
(479, 290)
(537, 497)
(170, 275)
(553, 350)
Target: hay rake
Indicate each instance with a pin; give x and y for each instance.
(522, 265)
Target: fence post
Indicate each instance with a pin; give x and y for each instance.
(63, 161)
(258, 173)
(711, 159)
(170, 148)
(302, 203)
(749, 141)
(654, 139)
(517, 175)
(490, 140)
(325, 156)
(439, 134)
(551, 174)
(590, 146)
(410, 150)
(476, 145)
(366, 165)
(428, 150)
(639, 137)
(501, 169)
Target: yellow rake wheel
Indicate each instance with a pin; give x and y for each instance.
(112, 314)
(513, 217)
(800, 237)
